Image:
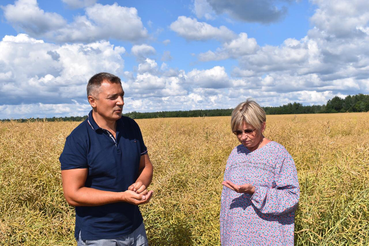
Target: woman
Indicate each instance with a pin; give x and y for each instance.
(260, 188)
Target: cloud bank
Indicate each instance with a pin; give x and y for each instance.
(45, 67)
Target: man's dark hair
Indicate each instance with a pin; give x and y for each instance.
(95, 82)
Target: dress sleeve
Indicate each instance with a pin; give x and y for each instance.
(283, 196)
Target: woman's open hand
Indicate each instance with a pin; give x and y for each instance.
(245, 188)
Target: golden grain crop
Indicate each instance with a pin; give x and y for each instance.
(331, 152)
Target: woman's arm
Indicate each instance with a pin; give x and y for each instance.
(283, 196)
(279, 199)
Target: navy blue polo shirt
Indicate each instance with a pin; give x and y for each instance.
(113, 165)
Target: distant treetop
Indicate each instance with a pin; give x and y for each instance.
(356, 103)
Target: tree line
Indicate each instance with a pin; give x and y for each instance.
(356, 103)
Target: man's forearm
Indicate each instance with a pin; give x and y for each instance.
(86, 196)
(146, 171)
(146, 176)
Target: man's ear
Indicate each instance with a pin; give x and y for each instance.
(92, 101)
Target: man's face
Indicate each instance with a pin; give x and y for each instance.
(108, 101)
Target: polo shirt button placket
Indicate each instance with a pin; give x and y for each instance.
(112, 137)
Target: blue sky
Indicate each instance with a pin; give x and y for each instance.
(180, 55)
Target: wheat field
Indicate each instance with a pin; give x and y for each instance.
(331, 152)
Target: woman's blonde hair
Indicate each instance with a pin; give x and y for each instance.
(249, 112)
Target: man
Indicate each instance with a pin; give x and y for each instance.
(106, 170)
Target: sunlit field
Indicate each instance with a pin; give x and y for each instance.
(331, 152)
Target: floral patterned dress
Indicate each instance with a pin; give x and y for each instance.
(266, 217)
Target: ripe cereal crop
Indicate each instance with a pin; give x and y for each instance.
(331, 152)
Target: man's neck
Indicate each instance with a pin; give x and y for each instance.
(103, 123)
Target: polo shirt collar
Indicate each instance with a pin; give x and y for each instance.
(91, 122)
(95, 126)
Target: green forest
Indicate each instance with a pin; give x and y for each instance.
(356, 103)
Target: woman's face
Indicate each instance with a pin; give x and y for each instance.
(249, 136)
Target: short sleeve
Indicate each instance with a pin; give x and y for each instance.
(74, 154)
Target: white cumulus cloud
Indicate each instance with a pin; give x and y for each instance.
(210, 78)
(148, 66)
(100, 22)
(191, 29)
(75, 4)
(37, 72)
(141, 52)
(238, 47)
(202, 9)
(27, 16)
